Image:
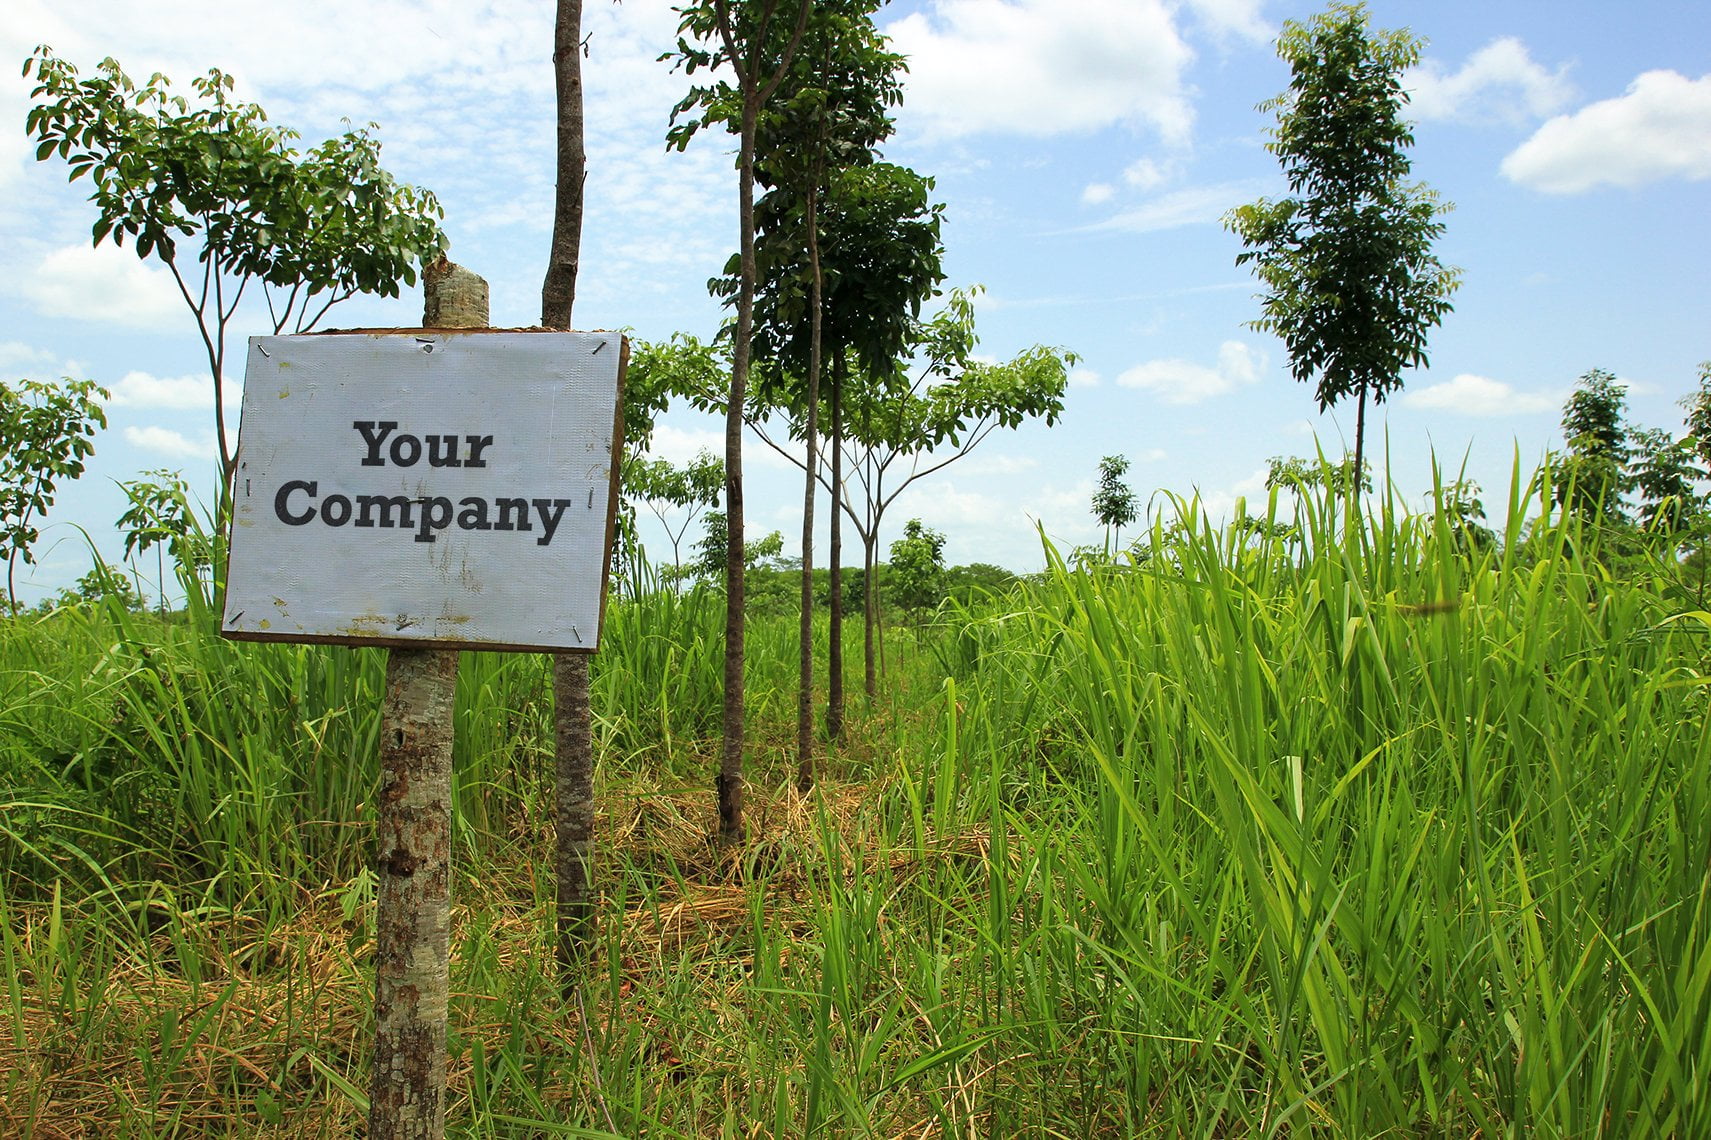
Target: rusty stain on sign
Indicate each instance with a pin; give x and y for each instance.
(407, 474)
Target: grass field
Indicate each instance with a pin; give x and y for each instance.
(1382, 834)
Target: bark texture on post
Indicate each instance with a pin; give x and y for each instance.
(455, 298)
(412, 927)
(574, 796)
(412, 942)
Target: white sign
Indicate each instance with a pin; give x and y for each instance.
(426, 488)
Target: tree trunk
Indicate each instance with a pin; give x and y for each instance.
(558, 291)
(805, 631)
(730, 779)
(573, 792)
(573, 743)
(835, 558)
(412, 938)
(870, 607)
(1360, 451)
(412, 948)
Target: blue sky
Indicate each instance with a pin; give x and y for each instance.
(1085, 151)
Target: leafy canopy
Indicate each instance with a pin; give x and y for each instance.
(1352, 285)
(1114, 504)
(1593, 476)
(47, 431)
(916, 574)
(312, 229)
(326, 224)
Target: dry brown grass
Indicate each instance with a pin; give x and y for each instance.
(220, 1027)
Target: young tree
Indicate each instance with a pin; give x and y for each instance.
(160, 515)
(310, 230)
(833, 114)
(667, 489)
(1664, 472)
(1300, 473)
(103, 583)
(745, 37)
(1592, 477)
(47, 431)
(573, 736)
(1459, 504)
(903, 429)
(916, 574)
(1352, 285)
(1114, 504)
(1698, 407)
(709, 550)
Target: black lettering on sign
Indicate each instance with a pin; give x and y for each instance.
(387, 504)
(374, 434)
(406, 449)
(281, 502)
(295, 505)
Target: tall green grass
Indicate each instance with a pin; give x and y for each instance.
(1356, 829)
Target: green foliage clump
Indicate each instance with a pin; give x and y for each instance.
(310, 229)
(916, 572)
(1352, 285)
(47, 432)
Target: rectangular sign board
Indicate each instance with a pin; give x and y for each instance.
(431, 488)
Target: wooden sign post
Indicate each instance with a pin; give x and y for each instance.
(429, 490)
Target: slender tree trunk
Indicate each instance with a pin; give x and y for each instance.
(755, 91)
(573, 797)
(558, 292)
(805, 633)
(573, 742)
(870, 607)
(835, 642)
(1360, 451)
(730, 779)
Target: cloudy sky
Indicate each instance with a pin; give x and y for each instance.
(1085, 150)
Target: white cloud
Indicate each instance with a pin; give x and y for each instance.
(981, 464)
(463, 96)
(1149, 174)
(1500, 82)
(1471, 395)
(174, 443)
(1045, 67)
(1178, 381)
(1233, 17)
(141, 390)
(1083, 378)
(680, 445)
(103, 283)
(1661, 128)
(1195, 205)
(18, 357)
(1097, 193)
